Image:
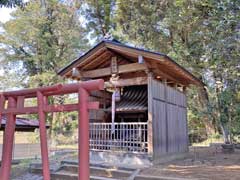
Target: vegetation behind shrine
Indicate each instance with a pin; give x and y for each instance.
(202, 36)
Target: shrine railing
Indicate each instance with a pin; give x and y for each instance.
(127, 137)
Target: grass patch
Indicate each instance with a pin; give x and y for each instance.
(207, 142)
(20, 168)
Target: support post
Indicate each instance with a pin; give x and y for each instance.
(184, 89)
(8, 142)
(83, 135)
(2, 103)
(43, 135)
(150, 114)
(166, 112)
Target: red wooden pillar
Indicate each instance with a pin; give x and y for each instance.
(8, 142)
(2, 103)
(43, 135)
(83, 135)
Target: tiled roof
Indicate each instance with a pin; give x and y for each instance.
(23, 124)
(134, 99)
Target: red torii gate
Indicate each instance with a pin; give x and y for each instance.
(16, 107)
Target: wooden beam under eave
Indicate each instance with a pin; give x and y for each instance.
(134, 52)
(127, 82)
(127, 68)
(84, 59)
(98, 59)
(156, 68)
(171, 79)
(127, 59)
(191, 78)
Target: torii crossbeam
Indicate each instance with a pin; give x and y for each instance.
(15, 106)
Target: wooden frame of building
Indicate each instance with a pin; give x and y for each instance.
(153, 123)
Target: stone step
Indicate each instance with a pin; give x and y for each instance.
(100, 174)
(70, 172)
(36, 168)
(149, 177)
(98, 171)
(103, 165)
(63, 175)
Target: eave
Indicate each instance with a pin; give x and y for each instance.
(160, 63)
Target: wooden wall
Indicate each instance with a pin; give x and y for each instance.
(167, 106)
(104, 99)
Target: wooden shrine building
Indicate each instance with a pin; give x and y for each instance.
(150, 107)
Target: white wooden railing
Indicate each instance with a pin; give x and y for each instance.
(128, 137)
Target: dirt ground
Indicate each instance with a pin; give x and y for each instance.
(201, 163)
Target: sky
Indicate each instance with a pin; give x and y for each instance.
(5, 14)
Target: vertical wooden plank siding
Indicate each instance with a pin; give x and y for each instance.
(167, 107)
(159, 132)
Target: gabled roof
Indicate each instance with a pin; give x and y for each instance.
(158, 62)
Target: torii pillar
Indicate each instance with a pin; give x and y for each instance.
(16, 107)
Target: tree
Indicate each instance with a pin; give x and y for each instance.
(223, 50)
(202, 36)
(99, 17)
(38, 41)
(41, 41)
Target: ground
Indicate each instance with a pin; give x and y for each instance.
(200, 163)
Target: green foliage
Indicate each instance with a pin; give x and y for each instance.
(99, 17)
(36, 43)
(203, 36)
(41, 40)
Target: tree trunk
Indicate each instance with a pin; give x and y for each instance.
(225, 133)
(210, 129)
